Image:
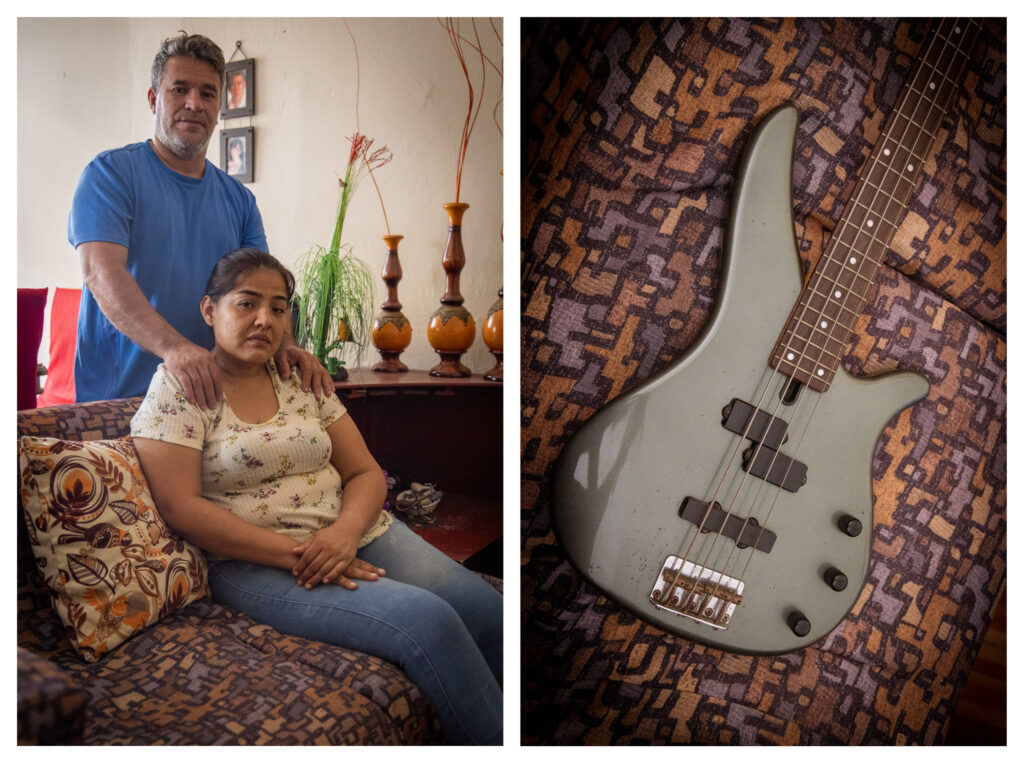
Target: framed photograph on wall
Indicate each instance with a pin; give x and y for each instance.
(237, 153)
(239, 89)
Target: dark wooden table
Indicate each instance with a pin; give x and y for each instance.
(440, 430)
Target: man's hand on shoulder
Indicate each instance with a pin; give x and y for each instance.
(196, 371)
(312, 374)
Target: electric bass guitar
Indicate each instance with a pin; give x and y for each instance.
(728, 498)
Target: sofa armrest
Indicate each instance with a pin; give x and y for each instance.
(51, 705)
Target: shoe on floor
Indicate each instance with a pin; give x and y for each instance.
(419, 505)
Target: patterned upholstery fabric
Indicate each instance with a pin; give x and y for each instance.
(51, 707)
(632, 135)
(206, 674)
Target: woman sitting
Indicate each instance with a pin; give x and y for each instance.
(281, 492)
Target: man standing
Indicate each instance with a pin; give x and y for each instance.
(149, 221)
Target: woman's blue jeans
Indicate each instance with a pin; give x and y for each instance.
(436, 620)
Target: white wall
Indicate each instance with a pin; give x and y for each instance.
(82, 89)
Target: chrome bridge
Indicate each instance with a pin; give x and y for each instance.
(697, 592)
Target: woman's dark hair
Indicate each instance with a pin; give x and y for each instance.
(234, 265)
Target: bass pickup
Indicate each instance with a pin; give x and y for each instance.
(777, 468)
(765, 428)
(745, 532)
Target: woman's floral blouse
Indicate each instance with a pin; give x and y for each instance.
(277, 474)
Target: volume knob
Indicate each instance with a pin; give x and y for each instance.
(799, 624)
(836, 579)
(850, 525)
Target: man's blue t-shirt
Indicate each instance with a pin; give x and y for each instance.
(175, 228)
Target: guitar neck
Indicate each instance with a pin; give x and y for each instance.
(815, 338)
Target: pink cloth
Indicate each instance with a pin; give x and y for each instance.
(60, 376)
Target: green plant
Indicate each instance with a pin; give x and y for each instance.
(335, 294)
(335, 306)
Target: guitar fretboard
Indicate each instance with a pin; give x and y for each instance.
(815, 338)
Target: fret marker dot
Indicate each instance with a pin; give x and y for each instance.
(853, 260)
(910, 168)
(956, 29)
(821, 372)
(824, 324)
(931, 85)
(871, 223)
(886, 151)
(790, 356)
(838, 293)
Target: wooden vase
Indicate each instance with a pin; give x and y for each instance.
(492, 333)
(392, 331)
(451, 329)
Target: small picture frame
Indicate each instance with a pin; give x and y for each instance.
(239, 89)
(237, 153)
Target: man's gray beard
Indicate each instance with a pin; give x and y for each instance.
(179, 147)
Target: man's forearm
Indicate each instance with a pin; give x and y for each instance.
(122, 301)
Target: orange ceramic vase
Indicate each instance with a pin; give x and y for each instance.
(392, 331)
(492, 333)
(451, 329)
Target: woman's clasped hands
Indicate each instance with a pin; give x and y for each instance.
(329, 555)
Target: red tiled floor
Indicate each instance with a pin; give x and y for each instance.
(462, 526)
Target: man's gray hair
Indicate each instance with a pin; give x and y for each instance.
(193, 46)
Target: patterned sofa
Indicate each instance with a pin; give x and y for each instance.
(202, 675)
(632, 134)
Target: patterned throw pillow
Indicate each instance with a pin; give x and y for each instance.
(112, 566)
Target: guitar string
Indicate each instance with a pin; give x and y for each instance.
(814, 279)
(839, 245)
(960, 58)
(728, 470)
(932, 110)
(796, 368)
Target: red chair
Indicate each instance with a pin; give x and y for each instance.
(31, 311)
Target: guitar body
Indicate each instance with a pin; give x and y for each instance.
(621, 481)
